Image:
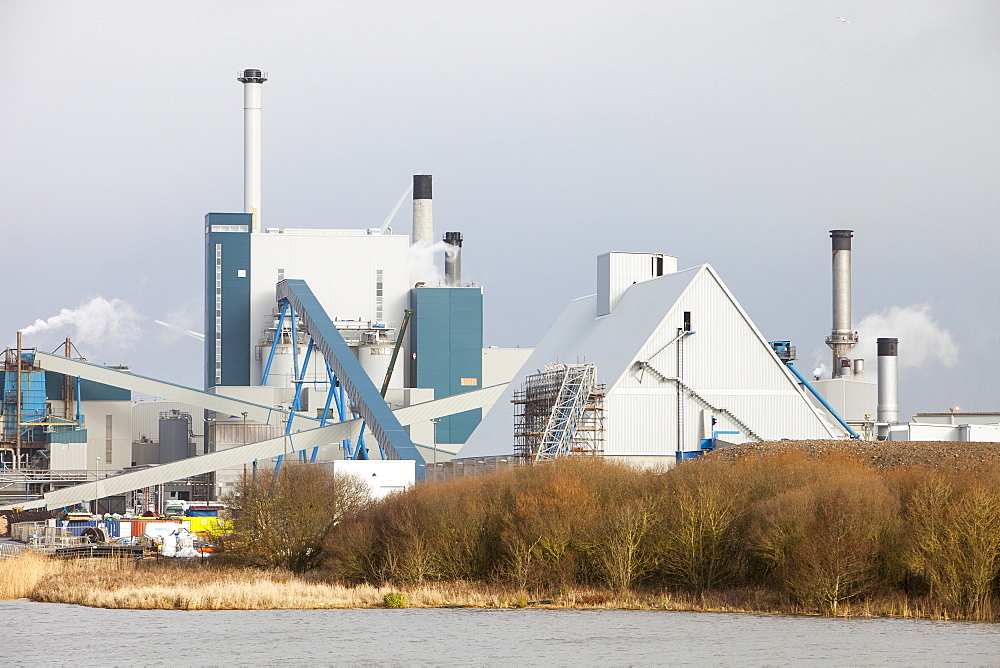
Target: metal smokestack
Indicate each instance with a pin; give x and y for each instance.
(888, 384)
(423, 211)
(453, 258)
(252, 81)
(841, 339)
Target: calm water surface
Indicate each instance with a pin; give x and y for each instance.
(47, 634)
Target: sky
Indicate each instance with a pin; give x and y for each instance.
(730, 133)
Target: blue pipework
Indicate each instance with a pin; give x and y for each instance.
(79, 402)
(823, 401)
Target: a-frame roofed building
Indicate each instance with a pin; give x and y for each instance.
(722, 368)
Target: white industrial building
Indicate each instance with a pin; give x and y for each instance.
(679, 359)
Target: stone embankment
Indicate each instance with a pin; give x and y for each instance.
(948, 455)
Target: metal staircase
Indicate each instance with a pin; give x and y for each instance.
(568, 410)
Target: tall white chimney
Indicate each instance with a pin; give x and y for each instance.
(423, 211)
(252, 81)
(888, 384)
(842, 338)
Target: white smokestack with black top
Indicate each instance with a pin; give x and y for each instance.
(252, 81)
(453, 258)
(423, 210)
(888, 383)
(842, 338)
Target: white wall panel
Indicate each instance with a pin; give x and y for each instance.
(339, 266)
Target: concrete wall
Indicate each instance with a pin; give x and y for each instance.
(502, 364)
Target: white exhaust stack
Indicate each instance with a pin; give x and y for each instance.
(423, 210)
(841, 339)
(252, 81)
(453, 258)
(888, 384)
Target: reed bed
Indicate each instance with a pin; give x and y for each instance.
(118, 584)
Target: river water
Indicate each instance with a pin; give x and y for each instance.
(45, 634)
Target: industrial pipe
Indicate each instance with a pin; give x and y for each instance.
(252, 81)
(888, 384)
(823, 401)
(423, 211)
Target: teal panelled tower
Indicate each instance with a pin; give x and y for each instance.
(227, 299)
(446, 351)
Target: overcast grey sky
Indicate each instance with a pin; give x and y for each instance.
(733, 133)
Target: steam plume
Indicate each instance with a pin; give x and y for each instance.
(921, 338)
(424, 264)
(96, 322)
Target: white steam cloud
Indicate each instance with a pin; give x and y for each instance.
(427, 262)
(95, 322)
(921, 338)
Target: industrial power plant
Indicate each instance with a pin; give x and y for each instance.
(319, 349)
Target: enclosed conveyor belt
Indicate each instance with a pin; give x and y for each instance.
(365, 396)
(158, 388)
(244, 454)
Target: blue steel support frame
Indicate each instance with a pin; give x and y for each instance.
(300, 375)
(823, 401)
(337, 392)
(274, 344)
(295, 337)
(391, 435)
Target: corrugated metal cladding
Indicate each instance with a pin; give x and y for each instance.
(640, 423)
(446, 344)
(232, 433)
(146, 417)
(616, 272)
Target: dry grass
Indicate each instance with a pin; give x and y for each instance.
(181, 586)
(20, 576)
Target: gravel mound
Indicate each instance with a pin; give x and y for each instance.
(952, 455)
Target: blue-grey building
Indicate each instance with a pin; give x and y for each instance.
(227, 299)
(446, 351)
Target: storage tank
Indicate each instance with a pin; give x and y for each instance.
(175, 440)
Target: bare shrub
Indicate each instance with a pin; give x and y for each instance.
(827, 539)
(702, 508)
(621, 544)
(284, 521)
(955, 542)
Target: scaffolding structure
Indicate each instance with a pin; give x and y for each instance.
(559, 412)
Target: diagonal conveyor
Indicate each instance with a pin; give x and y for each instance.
(244, 454)
(370, 405)
(158, 388)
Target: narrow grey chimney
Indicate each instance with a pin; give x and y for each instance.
(888, 384)
(453, 258)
